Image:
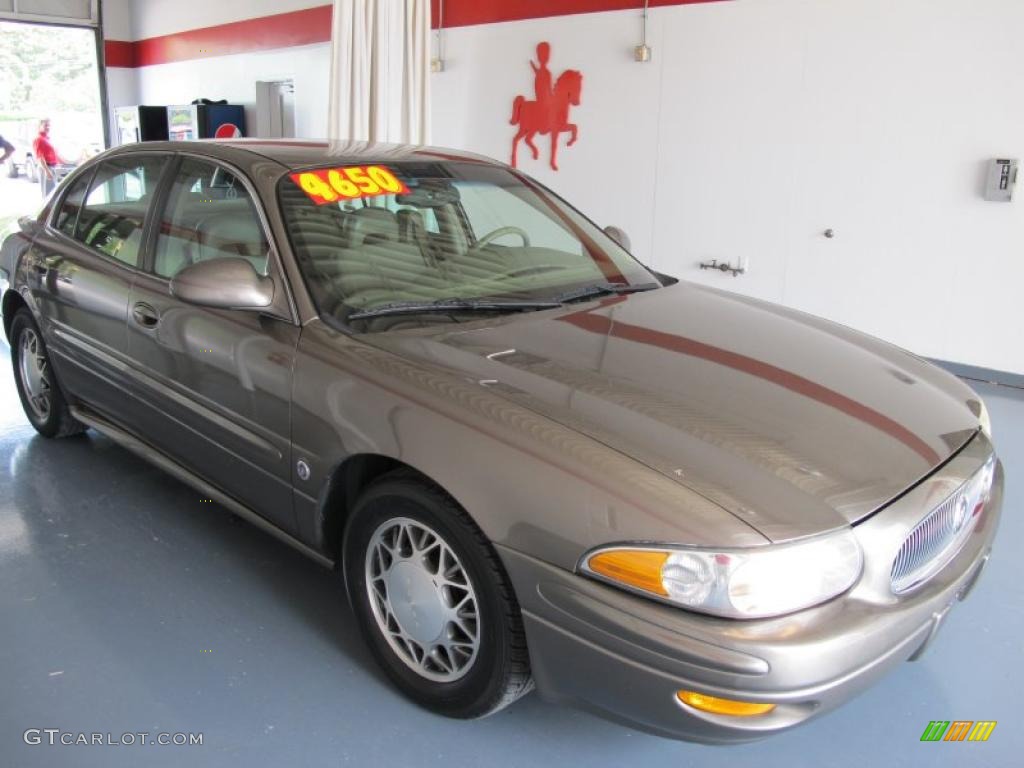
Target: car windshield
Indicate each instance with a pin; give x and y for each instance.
(446, 238)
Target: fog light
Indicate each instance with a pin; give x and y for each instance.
(723, 706)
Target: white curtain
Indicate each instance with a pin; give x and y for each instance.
(380, 71)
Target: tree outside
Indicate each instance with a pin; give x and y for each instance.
(46, 71)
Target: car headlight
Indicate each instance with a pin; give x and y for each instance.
(737, 583)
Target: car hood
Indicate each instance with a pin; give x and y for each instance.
(794, 424)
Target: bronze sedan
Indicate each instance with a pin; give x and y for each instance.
(530, 459)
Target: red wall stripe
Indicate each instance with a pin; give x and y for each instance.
(281, 30)
(464, 13)
(119, 53)
(793, 382)
(313, 25)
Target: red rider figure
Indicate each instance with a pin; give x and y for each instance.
(542, 78)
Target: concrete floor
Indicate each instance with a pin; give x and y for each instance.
(126, 605)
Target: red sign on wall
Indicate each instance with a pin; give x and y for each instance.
(548, 113)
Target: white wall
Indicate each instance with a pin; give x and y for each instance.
(761, 123)
(757, 125)
(122, 88)
(230, 77)
(122, 85)
(117, 19)
(153, 18)
(234, 78)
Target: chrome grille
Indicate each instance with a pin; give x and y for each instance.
(932, 543)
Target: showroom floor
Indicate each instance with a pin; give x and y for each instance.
(127, 605)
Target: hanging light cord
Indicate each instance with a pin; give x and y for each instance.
(643, 28)
(440, 30)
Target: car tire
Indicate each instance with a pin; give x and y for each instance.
(37, 381)
(416, 564)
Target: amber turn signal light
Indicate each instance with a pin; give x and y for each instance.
(720, 706)
(640, 568)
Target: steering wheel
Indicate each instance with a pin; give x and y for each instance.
(494, 234)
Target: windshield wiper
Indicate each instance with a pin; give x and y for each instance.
(451, 305)
(495, 305)
(603, 289)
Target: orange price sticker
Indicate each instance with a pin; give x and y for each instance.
(329, 185)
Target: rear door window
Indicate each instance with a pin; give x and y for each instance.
(112, 217)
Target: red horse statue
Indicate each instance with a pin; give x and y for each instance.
(550, 112)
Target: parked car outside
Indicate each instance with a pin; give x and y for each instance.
(19, 163)
(73, 136)
(531, 460)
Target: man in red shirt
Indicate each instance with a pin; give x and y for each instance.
(46, 158)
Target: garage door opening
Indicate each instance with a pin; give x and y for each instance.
(46, 71)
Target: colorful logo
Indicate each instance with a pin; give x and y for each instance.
(227, 131)
(958, 730)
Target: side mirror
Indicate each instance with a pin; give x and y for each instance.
(618, 235)
(29, 225)
(225, 283)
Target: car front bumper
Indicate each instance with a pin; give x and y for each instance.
(626, 657)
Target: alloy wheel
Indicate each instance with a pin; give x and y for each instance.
(422, 599)
(34, 371)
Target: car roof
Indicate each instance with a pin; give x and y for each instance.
(302, 153)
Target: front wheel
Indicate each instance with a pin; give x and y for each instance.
(433, 601)
(38, 388)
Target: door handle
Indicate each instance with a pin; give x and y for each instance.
(145, 315)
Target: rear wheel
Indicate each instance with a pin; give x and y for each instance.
(40, 392)
(433, 601)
